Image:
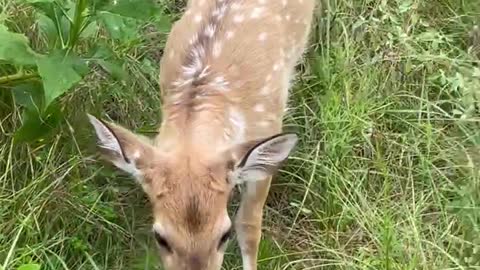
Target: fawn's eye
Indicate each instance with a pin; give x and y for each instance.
(225, 237)
(162, 242)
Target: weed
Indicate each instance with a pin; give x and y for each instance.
(385, 102)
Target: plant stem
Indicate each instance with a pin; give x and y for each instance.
(77, 24)
(17, 77)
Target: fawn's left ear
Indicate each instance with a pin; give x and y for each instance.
(261, 159)
(126, 150)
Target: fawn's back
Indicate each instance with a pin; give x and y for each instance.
(227, 67)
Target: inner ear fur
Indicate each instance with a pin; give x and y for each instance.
(134, 149)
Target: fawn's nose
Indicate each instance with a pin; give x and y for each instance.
(196, 262)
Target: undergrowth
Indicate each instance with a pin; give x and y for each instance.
(385, 176)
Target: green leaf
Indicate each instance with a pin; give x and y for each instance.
(118, 27)
(58, 74)
(115, 69)
(79, 65)
(107, 59)
(47, 29)
(15, 48)
(102, 50)
(31, 266)
(29, 95)
(137, 9)
(89, 30)
(37, 125)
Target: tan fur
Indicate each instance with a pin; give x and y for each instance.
(224, 80)
(245, 62)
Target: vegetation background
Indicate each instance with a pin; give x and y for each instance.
(386, 175)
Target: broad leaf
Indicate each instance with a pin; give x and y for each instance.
(58, 74)
(15, 48)
(118, 27)
(37, 125)
(107, 59)
(137, 9)
(57, 17)
(115, 69)
(89, 30)
(48, 30)
(29, 95)
(31, 266)
(79, 65)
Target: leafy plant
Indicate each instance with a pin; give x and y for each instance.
(39, 78)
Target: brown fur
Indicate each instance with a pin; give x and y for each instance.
(224, 82)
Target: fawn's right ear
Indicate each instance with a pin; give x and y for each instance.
(262, 158)
(126, 150)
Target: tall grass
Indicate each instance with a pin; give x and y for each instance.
(386, 175)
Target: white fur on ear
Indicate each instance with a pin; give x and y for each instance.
(108, 141)
(264, 159)
(106, 138)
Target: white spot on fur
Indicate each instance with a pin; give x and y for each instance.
(220, 83)
(256, 12)
(264, 123)
(136, 154)
(217, 49)
(196, 66)
(262, 2)
(230, 34)
(262, 36)
(288, 17)
(204, 72)
(237, 121)
(277, 66)
(203, 106)
(198, 18)
(236, 6)
(259, 108)
(284, 3)
(219, 13)
(193, 39)
(238, 18)
(268, 78)
(180, 83)
(210, 30)
(265, 90)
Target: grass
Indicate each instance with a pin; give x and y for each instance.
(385, 177)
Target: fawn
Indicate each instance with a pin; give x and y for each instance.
(225, 77)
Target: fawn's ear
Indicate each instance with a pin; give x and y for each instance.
(261, 159)
(126, 150)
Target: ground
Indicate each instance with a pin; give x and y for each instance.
(385, 176)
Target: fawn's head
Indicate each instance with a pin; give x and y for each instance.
(189, 189)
